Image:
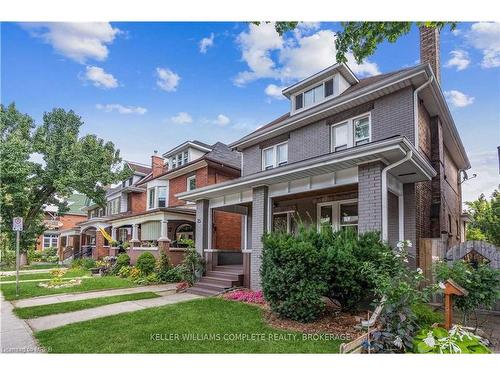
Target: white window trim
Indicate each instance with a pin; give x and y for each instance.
(275, 155)
(157, 196)
(149, 199)
(335, 212)
(188, 182)
(51, 240)
(350, 130)
(310, 87)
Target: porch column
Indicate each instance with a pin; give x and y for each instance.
(134, 242)
(370, 197)
(259, 227)
(114, 233)
(202, 226)
(164, 231)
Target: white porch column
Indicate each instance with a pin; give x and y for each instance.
(135, 233)
(114, 233)
(164, 231)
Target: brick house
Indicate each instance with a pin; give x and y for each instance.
(145, 212)
(380, 153)
(57, 225)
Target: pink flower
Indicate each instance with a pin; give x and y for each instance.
(243, 295)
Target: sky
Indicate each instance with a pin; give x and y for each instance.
(152, 86)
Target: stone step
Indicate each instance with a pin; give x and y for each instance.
(201, 291)
(210, 286)
(223, 275)
(224, 283)
(238, 270)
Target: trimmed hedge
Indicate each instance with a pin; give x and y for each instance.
(146, 263)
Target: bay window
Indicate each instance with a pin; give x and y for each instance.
(275, 156)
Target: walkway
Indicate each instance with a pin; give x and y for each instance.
(15, 335)
(68, 297)
(40, 280)
(28, 272)
(54, 321)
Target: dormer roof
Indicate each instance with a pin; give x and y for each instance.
(194, 144)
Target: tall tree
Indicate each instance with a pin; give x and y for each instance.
(66, 163)
(363, 38)
(485, 219)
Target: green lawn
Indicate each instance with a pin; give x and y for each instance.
(63, 307)
(46, 275)
(209, 325)
(31, 289)
(31, 267)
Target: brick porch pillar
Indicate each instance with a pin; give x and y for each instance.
(370, 197)
(99, 245)
(259, 227)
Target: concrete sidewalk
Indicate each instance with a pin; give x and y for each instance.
(40, 280)
(15, 335)
(27, 272)
(68, 297)
(54, 321)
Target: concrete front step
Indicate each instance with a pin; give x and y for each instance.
(218, 280)
(210, 286)
(201, 292)
(223, 275)
(224, 283)
(230, 269)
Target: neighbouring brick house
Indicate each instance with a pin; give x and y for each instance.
(57, 225)
(145, 212)
(380, 153)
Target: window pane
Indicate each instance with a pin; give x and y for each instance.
(280, 223)
(361, 130)
(325, 216)
(162, 196)
(185, 157)
(268, 158)
(151, 198)
(298, 102)
(329, 88)
(179, 159)
(318, 93)
(340, 137)
(349, 214)
(191, 183)
(282, 153)
(308, 98)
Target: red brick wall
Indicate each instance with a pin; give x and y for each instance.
(227, 230)
(137, 202)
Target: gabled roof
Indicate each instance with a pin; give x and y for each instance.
(75, 204)
(140, 169)
(194, 143)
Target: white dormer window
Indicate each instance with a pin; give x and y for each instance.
(314, 95)
(179, 159)
(275, 156)
(350, 133)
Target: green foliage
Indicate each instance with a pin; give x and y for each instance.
(363, 38)
(173, 275)
(163, 263)
(70, 163)
(122, 260)
(193, 264)
(481, 282)
(456, 341)
(124, 271)
(294, 274)
(425, 315)
(88, 263)
(146, 263)
(485, 219)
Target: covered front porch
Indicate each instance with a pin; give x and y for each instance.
(371, 190)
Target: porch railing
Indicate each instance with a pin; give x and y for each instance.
(85, 252)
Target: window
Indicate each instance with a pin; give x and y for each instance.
(49, 240)
(329, 88)
(338, 215)
(130, 180)
(151, 198)
(299, 101)
(162, 196)
(284, 222)
(191, 183)
(185, 159)
(123, 235)
(361, 131)
(113, 206)
(349, 216)
(340, 137)
(179, 159)
(351, 133)
(314, 95)
(275, 156)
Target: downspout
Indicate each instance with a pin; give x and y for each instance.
(385, 224)
(415, 107)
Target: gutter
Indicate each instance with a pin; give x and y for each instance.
(415, 106)
(385, 221)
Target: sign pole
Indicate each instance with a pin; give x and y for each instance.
(18, 262)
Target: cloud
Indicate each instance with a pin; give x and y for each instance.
(206, 43)
(182, 118)
(99, 78)
(222, 120)
(485, 165)
(485, 36)
(458, 99)
(269, 55)
(274, 91)
(122, 109)
(167, 79)
(79, 41)
(459, 59)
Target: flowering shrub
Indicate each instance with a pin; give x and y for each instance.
(183, 285)
(244, 295)
(455, 341)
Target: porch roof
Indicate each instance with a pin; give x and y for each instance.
(388, 151)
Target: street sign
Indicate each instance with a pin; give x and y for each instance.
(17, 224)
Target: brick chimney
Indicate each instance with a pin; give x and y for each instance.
(429, 49)
(157, 164)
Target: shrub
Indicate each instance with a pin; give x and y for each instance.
(163, 262)
(294, 274)
(455, 341)
(77, 263)
(122, 260)
(426, 316)
(124, 271)
(88, 263)
(173, 275)
(146, 263)
(193, 264)
(135, 273)
(482, 282)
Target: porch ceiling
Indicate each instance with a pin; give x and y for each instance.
(387, 151)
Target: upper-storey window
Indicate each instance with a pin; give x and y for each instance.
(352, 132)
(191, 183)
(113, 206)
(162, 196)
(275, 156)
(179, 159)
(314, 95)
(151, 198)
